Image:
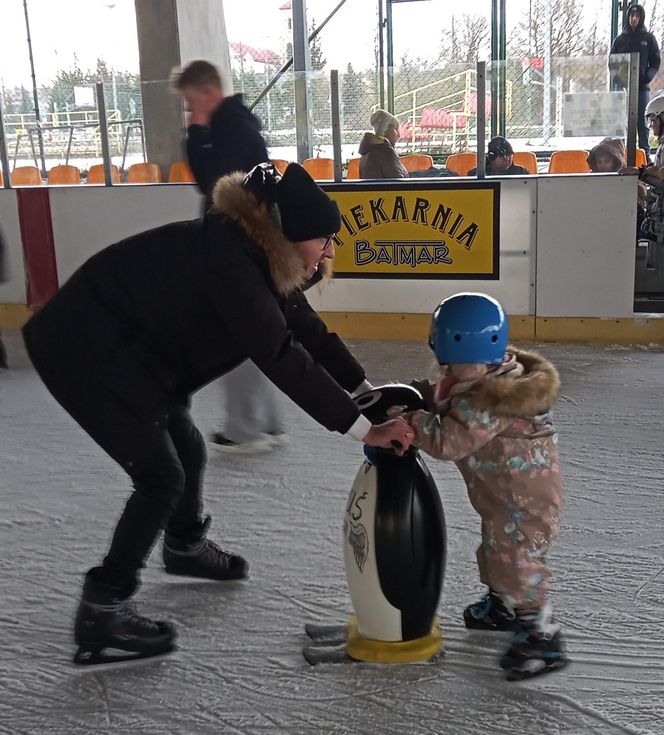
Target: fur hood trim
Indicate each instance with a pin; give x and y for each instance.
(533, 392)
(237, 204)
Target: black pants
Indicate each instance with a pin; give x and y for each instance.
(164, 455)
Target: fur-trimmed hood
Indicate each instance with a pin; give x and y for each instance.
(528, 391)
(261, 224)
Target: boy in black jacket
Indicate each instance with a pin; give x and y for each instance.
(635, 38)
(222, 137)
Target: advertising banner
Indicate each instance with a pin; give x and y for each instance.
(432, 230)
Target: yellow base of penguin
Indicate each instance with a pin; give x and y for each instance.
(393, 652)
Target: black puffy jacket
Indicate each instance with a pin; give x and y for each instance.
(640, 41)
(160, 314)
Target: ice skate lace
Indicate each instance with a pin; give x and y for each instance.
(129, 617)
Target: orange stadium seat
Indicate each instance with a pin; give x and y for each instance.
(461, 163)
(527, 159)
(416, 162)
(319, 168)
(569, 162)
(280, 164)
(26, 176)
(641, 158)
(144, 173)
(96, 174)
(64, 175)
(180, 173)
(354, 168)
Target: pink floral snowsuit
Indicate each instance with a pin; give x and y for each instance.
(498, 430)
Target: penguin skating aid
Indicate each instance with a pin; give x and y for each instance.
(394, 553)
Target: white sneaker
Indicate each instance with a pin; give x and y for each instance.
(262, 443)
(279, 439)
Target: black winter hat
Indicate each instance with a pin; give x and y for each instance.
(306, 210)
(499, 146)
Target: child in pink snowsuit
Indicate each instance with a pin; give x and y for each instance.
(490, 415)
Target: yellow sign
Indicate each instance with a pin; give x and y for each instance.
(408, 230)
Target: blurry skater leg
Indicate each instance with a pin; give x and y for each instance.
(253, 413)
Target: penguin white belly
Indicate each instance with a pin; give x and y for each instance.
(377, 618)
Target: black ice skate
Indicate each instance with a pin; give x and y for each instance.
(490, 613)
(192, 554)
(104, 621)
(537, 648)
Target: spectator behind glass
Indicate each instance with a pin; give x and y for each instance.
(500, 160)
(378, 159)
(635, 38)
(608, 156)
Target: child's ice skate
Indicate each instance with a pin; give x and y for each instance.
(537, 647)
(106, 620)
(192, 554)
(490, 613)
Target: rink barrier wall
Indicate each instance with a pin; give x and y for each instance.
(567, 258)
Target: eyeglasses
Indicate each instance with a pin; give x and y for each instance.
(328, 241)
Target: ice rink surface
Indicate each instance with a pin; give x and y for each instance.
(239, 669)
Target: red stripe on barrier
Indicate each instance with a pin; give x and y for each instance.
(34, 214)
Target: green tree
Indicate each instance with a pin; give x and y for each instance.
(355, 100)
(318, 61)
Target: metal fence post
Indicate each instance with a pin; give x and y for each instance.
(103, 133)
(481, 118)
(632, 107)
(336, 124)
(4, 160)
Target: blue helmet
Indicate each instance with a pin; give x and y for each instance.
(468, 327)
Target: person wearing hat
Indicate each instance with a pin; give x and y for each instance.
(378, 159)
(500, 160)
(148, 321)
(608, 156)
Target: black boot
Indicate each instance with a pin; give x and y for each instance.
(105, 619)
(490, 613)
(191, 554)
(537, 647)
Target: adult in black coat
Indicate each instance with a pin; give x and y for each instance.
(635, 38)
(148, 321)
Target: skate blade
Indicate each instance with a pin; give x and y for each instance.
(333, 654)
(327, 633)
(531, 672)
(85, 657)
